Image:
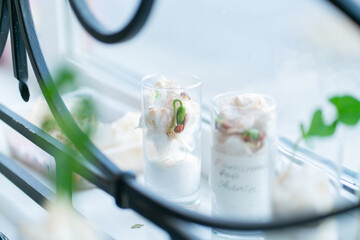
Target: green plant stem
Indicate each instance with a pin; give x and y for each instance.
(175, 113)
(292, 158)
(287, 172)
(296, 147)
(64, 178)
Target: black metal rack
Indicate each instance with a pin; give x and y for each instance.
(16, 18)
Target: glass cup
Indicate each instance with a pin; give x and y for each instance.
(171, 122)
(243, 147)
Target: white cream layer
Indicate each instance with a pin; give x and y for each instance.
(171, 178)
(240, 186)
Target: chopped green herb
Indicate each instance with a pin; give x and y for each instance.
(219, 118)
(252, 133)
(157, 94)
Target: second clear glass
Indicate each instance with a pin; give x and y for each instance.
(243, 148)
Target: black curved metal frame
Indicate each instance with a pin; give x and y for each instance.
(16, 18)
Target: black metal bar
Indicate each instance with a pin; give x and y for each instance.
(99, 32)
(36, 190)
(3, 237)
(92, 175)
(55, 102)
(4, 25)
(18, 53)
(350, 8)
(55, 148)
(25, 181)
(139, 195)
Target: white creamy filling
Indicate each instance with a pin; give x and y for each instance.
(158, 118)
(173, 178)
(245, 102)
(247, 111)
(233, 145)
(241, 186)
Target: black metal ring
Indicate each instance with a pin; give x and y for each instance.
(99, 32)
(52, 96)
(4, 25)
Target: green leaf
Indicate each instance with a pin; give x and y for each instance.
(348, 109)
(137, 226)
(180, 116)
(318, 127)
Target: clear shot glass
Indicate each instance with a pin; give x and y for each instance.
(171, 122)
(243, 148)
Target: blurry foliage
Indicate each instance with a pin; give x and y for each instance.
(84, 114)
(65, 79)
(348, 113)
